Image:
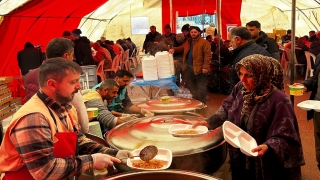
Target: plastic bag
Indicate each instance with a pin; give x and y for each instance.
(183, 93)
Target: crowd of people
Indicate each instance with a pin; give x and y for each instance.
(46, 137)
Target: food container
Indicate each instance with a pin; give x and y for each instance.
(92, 112)
(165, 99)
(164, 155)
(181, 130)
(176, 104)
(161, 175)
(208, 150)
(296, 90)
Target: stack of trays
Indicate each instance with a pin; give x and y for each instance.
(164, 64)
(149, 68)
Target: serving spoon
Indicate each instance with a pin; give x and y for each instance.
(147, 153)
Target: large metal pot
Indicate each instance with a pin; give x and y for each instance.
(160, 175)
(203, 154)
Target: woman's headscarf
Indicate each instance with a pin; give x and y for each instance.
(267, 75)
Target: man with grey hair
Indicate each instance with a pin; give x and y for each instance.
(243, 46)
(43, 141)
(95, 99)
(59, 47)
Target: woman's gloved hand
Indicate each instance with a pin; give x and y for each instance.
(124, 155)
(101, 161)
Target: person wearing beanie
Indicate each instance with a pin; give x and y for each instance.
(151, 41)
(167, 32)
(82, 49)
(186, 30)
(195, 64)
(76, 32)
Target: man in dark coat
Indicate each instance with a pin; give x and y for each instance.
(151, 41)
(243, 46)
(133, 45)
(315, 45)
(312, 36)
(82, 49)
(287, 37)
(29, 58)
(263, 40)
(312, 84)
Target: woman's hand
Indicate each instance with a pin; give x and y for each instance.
(200, 123)
(261, 149)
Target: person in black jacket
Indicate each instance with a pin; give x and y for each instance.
(82, 49)
(151, 41)
(312, 36)
(29, 58)
(311, 84)
(243, 46)
(286, 38)
(263, 40)
(315, 45)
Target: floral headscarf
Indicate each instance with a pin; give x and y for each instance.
(267, 75)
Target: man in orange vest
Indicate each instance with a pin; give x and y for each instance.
(42, 140)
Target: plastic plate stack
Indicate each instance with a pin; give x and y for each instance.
(164, 64)
(238, 138)
(149, 68)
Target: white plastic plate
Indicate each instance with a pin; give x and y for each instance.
(174, 128)
(247, 143)
(310, 104)
(238, 138)
(165, 155)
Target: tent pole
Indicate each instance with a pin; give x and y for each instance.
(171, 14)
(202, 22)
(293, 43)
(218, 25)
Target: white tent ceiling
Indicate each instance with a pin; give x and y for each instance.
(7, 6)
(276, 14)
(113, 19)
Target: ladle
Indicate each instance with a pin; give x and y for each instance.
(147, 153)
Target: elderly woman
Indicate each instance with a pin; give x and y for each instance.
(257, 106)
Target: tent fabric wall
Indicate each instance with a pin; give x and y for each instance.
(113, 19)
(38, 21)
(275, 14)
(230, 11)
